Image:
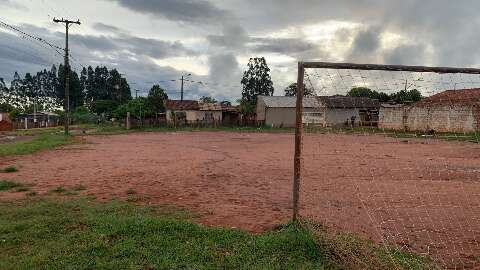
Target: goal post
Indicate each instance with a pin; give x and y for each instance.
(452, 78)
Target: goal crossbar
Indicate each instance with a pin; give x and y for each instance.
(332, 65)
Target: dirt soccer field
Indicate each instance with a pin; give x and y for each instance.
(422, 195)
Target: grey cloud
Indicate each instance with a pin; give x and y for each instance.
(225, 70)
(234, 37)
(412, 54)
(106, 28)
(365, 45)
(12, 4)
(182, 11)
(287, 46)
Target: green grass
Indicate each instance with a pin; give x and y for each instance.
(22, 189)
(31, 194)
(7, 185)
(10, 169)
(82, 234)
(79, 188)
(42, 142)
(58, 190)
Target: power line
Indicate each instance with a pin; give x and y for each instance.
(39, 39)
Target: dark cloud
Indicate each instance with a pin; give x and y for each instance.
(406, 55)
(366, 44)
(183, 11)
(234, 38)
(287, 46)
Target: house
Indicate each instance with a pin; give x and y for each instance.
(185, 112)
(341, 111)
(37, 120)
(325, 111)
(448, 111)
(279, 111)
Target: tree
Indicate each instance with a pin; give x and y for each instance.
(256, 80)
(369, 93)
(138, 108)
(206, 99)
(403, 96)
(226, 103)
(406, 96)
(156, 98)
(361, 92)
(291, 90)
(77, 97)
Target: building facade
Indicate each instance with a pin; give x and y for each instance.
(189, 112)
(448, 111)
(325, 111)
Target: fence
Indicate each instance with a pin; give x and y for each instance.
(406, 187)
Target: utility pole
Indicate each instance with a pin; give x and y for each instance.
(181, 89)
(67, 72)
(136, 93)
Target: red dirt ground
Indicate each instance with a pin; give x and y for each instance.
(422, 195)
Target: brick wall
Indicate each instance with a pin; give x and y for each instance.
(441, 118)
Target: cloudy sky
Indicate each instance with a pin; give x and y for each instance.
(158, 40)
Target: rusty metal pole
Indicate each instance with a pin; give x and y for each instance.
(297, 162)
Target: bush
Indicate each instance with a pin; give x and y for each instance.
(82, 115)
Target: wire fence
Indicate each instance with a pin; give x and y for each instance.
(383, 167)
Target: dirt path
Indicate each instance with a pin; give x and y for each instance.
(422, 195)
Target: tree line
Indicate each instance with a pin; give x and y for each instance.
(99, 89)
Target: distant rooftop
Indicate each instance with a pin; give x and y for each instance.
(461, 96)
(182, 105)
(349, 102)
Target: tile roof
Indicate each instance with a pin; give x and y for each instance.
(453, 97)
(210, 107)
(182, 105)
(348, 102)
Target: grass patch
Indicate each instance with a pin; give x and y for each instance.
(58, 190)
(22, 189)
(10, 169)
(31, 194)
(137, 198)
(7, 185)
(42, 142)
(115, 235)
(79, 188)
(131, 191)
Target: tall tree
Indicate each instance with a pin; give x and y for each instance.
(206, 99)
(156, 98)
(291, 90)
(76, 91)
(256, 80)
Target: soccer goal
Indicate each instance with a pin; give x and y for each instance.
(391, 153)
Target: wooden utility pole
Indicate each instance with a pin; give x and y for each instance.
(67, 72)
(181, 90)
(297, 160)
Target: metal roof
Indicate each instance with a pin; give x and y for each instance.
(288, 102)
(349, 102)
